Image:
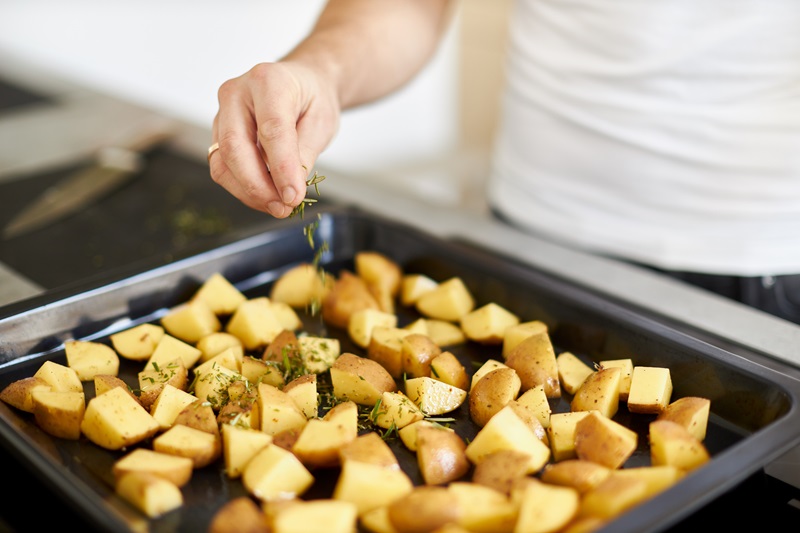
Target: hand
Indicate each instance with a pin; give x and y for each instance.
(272, 124)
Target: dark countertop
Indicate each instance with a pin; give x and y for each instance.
(171, 211)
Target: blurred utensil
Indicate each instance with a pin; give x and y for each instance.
(113, 166)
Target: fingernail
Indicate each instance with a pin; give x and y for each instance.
(276, 208)
(288, 195)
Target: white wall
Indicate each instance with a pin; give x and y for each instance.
(172, 55)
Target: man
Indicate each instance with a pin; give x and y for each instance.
(662, 133)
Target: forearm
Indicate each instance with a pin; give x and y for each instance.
(369, 48)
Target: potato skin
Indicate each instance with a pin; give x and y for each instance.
(491, 393)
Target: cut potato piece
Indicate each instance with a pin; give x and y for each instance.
(579, 474)
(446, 367)
(230, 358)
(449, 300)
(114, 420)
(658, 478)
(545, 508)
(303, 390)
(201, 447)
(199, 415)
(408, 434)
(604, 441)
(370, 486)
(215, 343)
(302, 286)
(519, 332)
(152, 495)
(104, 383)
(241, 514)
(395, 410)
(386, 348)
(319, 443)
(426, 508)
(417, 352)
(691, 412)
(59, 413)
(59, 377)
(138, 342)
(89, 358)
(444, 333)
(306, 517)
(651, 389)
(275, 473)
(599, 392)
(501, 470)
(211, 383)
(491, 393)
(507, 431)
(434, 397)
(278, 411)
(613, 496)
(441, 455)
(220, 295)
(534, 359)
(168, 405)
(286, 315)
(18, 393)
(488, 366)
(259, 371)
(561, 434)
(318, 353)
(242, 406)
(572, 371)
(673, 445)
(239, 445)
(360, 380)
(170, 348)
(156, 376)
(363, 321)
(488, 323)
(349, 294)
(175, 469)
(536, 400)
(483, 509)
(369, 448)
(626, 365)
(254, 322)
(412, 286)
(191, 321)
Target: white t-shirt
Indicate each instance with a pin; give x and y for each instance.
(660, 131)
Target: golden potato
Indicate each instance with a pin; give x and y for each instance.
(572, 371)
(672, 444)
(395, 410)
(369, 448)
(602, 440)
(651, 389)
(216, 342)
(239, 445)
(114, 420)
(434, 397)
(424, 509)
(441, 455)
(488, 323)
(626, 365)
(173, 468)
(534, 359)
(546, 507)
(240, 515)
(386, 348)
(59, 413)
(491, 393)
(303, 390)
(169, 404)
(89, 358)
(412, 286)
(599, 392)
(370, 486)
(319, 442)
(580, 474)
(417, 352)
(449, 300)
(201, 447)
(219, 294)
(519, 332)
(302, 286)
(274, 473)
(691, 412)
(155, 377)
(363, 321)
(59, 377)
(255, 323)
(198, 415)
(483, 509)
(137, 343)
(500, 470)
(18, 393)
(278, 411)
(446, 367)
(152, 495)
(191, 321)
(349, 294)
(338, 516)
(360, 380)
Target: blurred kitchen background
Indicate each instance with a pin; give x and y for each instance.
(431, 139)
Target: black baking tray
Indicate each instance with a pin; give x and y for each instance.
(754, 419)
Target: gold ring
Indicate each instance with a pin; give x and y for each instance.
(211, 149)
